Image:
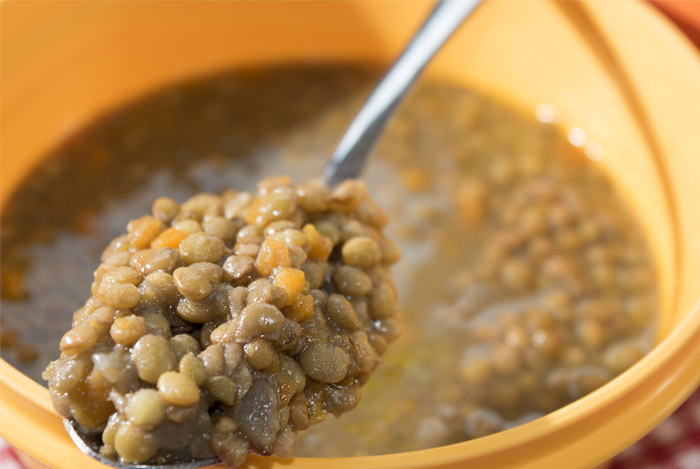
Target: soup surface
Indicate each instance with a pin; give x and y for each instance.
(525, 281)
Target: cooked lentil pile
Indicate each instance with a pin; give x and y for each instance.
(502, 319)
(227, 324)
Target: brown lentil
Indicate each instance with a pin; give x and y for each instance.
(193, 367)
(134, 445)
(220, 227)
(127, 330)
(183, 344)
(259, 353)
(361, 251)
(78, 340)
(178, 389)
(156, 323)
(201, 247)
(152, 357)
(352, 281)
(341, 312)
(119, 296)
(324, 362)
(145, 408)
(192, 283)
(160, 259)
(238, 268)
(165, 209)
(187, 226)
(222, 388)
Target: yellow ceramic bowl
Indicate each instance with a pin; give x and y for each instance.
(616, 69)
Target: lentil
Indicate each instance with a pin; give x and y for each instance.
(152, 357)
(222, 389)
(201, 247)
(193, 367)
(165, 209)
(259, 353)
(134, 445)
(177, 388)
(352, 281)
(192, 283)
(145, 408)
(127, 330)
(183, 344)
(361, 251)
(341, 312)
(238, 268)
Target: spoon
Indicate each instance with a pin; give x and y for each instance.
(350, 156)
(347, 161)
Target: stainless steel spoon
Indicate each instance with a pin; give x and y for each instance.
(347, 161)
(90, 443)
(350, 156)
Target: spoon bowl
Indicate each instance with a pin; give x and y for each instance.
(90, 444)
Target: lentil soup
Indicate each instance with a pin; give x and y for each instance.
(525, 281)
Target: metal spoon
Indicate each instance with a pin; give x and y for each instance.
(90, 443)
(347, 161)
(351, 154)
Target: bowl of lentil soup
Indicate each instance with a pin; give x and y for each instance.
(642, 139)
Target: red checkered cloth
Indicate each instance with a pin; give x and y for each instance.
(8, 459)
(674, 444)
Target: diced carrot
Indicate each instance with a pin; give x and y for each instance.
(142, 231)
(169, 238)
(320, 246)
(251, 217)
(272, 254)
(292, 280)
(301, 309)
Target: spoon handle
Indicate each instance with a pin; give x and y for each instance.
(359, 139)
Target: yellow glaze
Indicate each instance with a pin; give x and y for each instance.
(616, 69)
